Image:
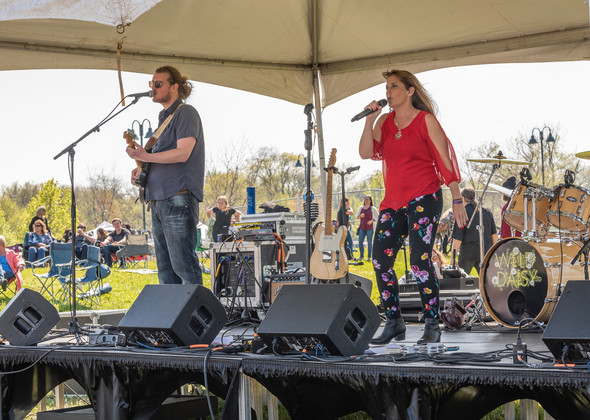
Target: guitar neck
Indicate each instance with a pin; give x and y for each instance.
(329, 227)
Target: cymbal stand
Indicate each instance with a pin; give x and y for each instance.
(479, 207)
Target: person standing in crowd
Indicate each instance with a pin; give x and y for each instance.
(505, 230)
(417, 157)
(40, 214)
(225, 216)
(367, 214)
(344, 213)
(11, 266)
(466, 240)
(175, 179)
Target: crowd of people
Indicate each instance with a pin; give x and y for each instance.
(38, 240)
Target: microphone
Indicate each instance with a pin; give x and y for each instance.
(149, 93)
(368, 111)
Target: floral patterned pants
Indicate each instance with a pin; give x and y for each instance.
(419, 219)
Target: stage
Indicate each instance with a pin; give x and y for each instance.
(474, 374)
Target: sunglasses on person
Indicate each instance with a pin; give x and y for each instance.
(157, 84)
(81, 227)
(38, 225)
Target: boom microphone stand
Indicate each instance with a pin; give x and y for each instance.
(70, 150)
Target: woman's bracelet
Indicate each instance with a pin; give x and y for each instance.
(457, 201)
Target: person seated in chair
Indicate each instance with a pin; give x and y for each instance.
(39, 241)
(11, 265)
(101, 237)
(82, 241)
(115, 241)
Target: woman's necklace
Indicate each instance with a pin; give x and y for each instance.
(398, 135)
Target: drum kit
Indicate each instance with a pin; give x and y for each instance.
(522, 278)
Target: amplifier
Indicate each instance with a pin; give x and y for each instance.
(277, 281)
(289, 226)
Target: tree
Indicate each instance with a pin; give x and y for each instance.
(57, 202)
(518, 148)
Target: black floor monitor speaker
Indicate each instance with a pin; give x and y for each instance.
(568, 331)
(338, 319)
(174, 314)
(27, 318)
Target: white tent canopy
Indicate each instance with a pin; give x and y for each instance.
(289, 49)
(272, 47)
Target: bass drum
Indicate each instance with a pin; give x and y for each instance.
(520, 279)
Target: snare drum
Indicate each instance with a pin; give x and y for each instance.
(570, 209)
(520, 278)
(514, 214)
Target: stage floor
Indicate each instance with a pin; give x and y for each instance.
(472, 375)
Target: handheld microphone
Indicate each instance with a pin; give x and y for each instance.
(368, 111)
(149, 93)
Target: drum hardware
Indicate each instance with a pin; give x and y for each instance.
(569, 178)
(525, 176)
(497, 161)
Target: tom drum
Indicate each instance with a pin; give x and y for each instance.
(520, 278)
(514, 214)
(570, 209)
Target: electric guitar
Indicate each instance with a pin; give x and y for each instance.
(328, 260)
(144, 167)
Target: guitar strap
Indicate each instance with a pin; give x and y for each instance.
(161, 128)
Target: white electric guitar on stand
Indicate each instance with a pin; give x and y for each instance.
(328, 260)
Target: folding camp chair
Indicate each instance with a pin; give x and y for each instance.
(137, 250)
(202, 249)
(60, 258)
(11, 289)
(89, 286)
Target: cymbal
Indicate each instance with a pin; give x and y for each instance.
(583, 155)
(504, 161)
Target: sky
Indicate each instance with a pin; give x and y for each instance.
(50, 109)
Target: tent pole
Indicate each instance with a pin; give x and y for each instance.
(320, 133)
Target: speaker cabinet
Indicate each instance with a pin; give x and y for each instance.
(568, 328)
(339, 319)
(27, 318)
(174, 314)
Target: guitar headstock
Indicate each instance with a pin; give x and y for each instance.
(332, 160)
(128, 136)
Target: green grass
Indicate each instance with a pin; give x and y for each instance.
(126, 286)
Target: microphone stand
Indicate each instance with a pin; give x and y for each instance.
(70, 150)
(583, 251)
(308, 194)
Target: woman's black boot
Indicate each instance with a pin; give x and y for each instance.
(394, 328)
(431, 331)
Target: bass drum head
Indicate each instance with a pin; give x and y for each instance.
(513, 281)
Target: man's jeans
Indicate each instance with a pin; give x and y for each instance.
(174, 226)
